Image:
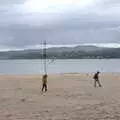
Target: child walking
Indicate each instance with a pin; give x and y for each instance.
(44, 82)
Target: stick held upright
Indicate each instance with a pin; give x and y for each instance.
(45, 57)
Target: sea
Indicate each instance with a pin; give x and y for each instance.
(58, 66)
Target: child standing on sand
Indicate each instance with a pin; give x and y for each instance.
(44, 82)
(96, 79)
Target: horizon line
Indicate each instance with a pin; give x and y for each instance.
(40, 46)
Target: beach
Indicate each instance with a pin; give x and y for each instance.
(69, 97)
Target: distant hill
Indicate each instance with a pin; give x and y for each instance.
(79, 52)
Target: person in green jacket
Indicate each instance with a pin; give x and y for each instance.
(44, 82)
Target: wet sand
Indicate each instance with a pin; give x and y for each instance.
(69, 97)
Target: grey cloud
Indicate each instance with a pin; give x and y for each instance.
(111, 2)
(87, 26)
(7, 2)
(24, 36)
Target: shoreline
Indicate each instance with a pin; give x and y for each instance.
(60, 74)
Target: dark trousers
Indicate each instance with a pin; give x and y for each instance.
(97, 81)
(44, 86)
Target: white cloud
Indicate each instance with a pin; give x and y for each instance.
(106, 45)
(51, 6)
(39, 12)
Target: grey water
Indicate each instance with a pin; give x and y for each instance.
(9, 67)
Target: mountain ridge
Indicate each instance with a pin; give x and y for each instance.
(78, 52)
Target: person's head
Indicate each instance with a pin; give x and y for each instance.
(98, 72)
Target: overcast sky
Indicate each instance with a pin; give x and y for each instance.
(26, 23)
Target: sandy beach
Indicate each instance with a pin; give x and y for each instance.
(69, 97)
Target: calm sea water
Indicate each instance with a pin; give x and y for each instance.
(59, 66)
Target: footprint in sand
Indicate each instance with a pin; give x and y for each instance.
(23, 100)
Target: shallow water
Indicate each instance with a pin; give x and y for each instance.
(59, 66)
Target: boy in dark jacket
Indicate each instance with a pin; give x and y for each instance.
(96, 79)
